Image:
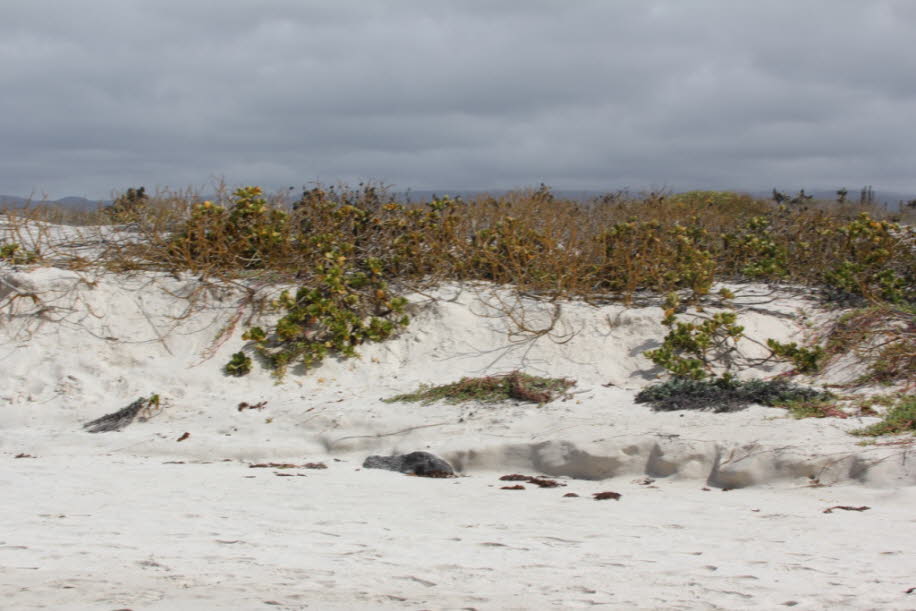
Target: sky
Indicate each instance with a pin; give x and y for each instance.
(100, 95)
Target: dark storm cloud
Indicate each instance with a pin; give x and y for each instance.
(106, 94)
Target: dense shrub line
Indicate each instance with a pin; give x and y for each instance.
(350, 251)
(614, 246)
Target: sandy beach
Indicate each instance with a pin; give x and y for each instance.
(716, 511)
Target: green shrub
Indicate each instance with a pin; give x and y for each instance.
(650, 255)
(16, 254)
(874, 261)
(239, 365)
(248, 235)
(343, 307)
(511, 251)
(690, 350)
(408, 242)
(127, 206)
(756, 250)
(817, 407)
(805, 360)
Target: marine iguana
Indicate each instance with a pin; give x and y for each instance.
(422, 464)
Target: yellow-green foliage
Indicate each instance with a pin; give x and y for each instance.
(128, 206)
(249, 234)
(510, 248)
(16, 254)
(612, 247)
(900, 417)
(806, 360)
(406, 241)
(344, 306)
(756, 252)
(867, 264)
(653, 256)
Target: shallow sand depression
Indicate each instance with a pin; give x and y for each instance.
(717, 511)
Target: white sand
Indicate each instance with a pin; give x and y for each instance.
(136, 519)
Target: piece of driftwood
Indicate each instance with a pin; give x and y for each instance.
(287, 465)
(846, 508)
(123, 417)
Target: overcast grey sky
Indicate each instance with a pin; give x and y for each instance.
(97, 95)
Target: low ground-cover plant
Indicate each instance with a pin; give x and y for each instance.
(816, 407)
(14, 253)
(490, 389)
(899, 417)
(723, 394)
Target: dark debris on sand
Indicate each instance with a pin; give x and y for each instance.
(603, 496)
(541, 482)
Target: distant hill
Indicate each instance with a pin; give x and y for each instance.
(890, 199)
(76, 203)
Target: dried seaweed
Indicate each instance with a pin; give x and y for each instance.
(541, 482)
(603, 496)
(245, 405)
